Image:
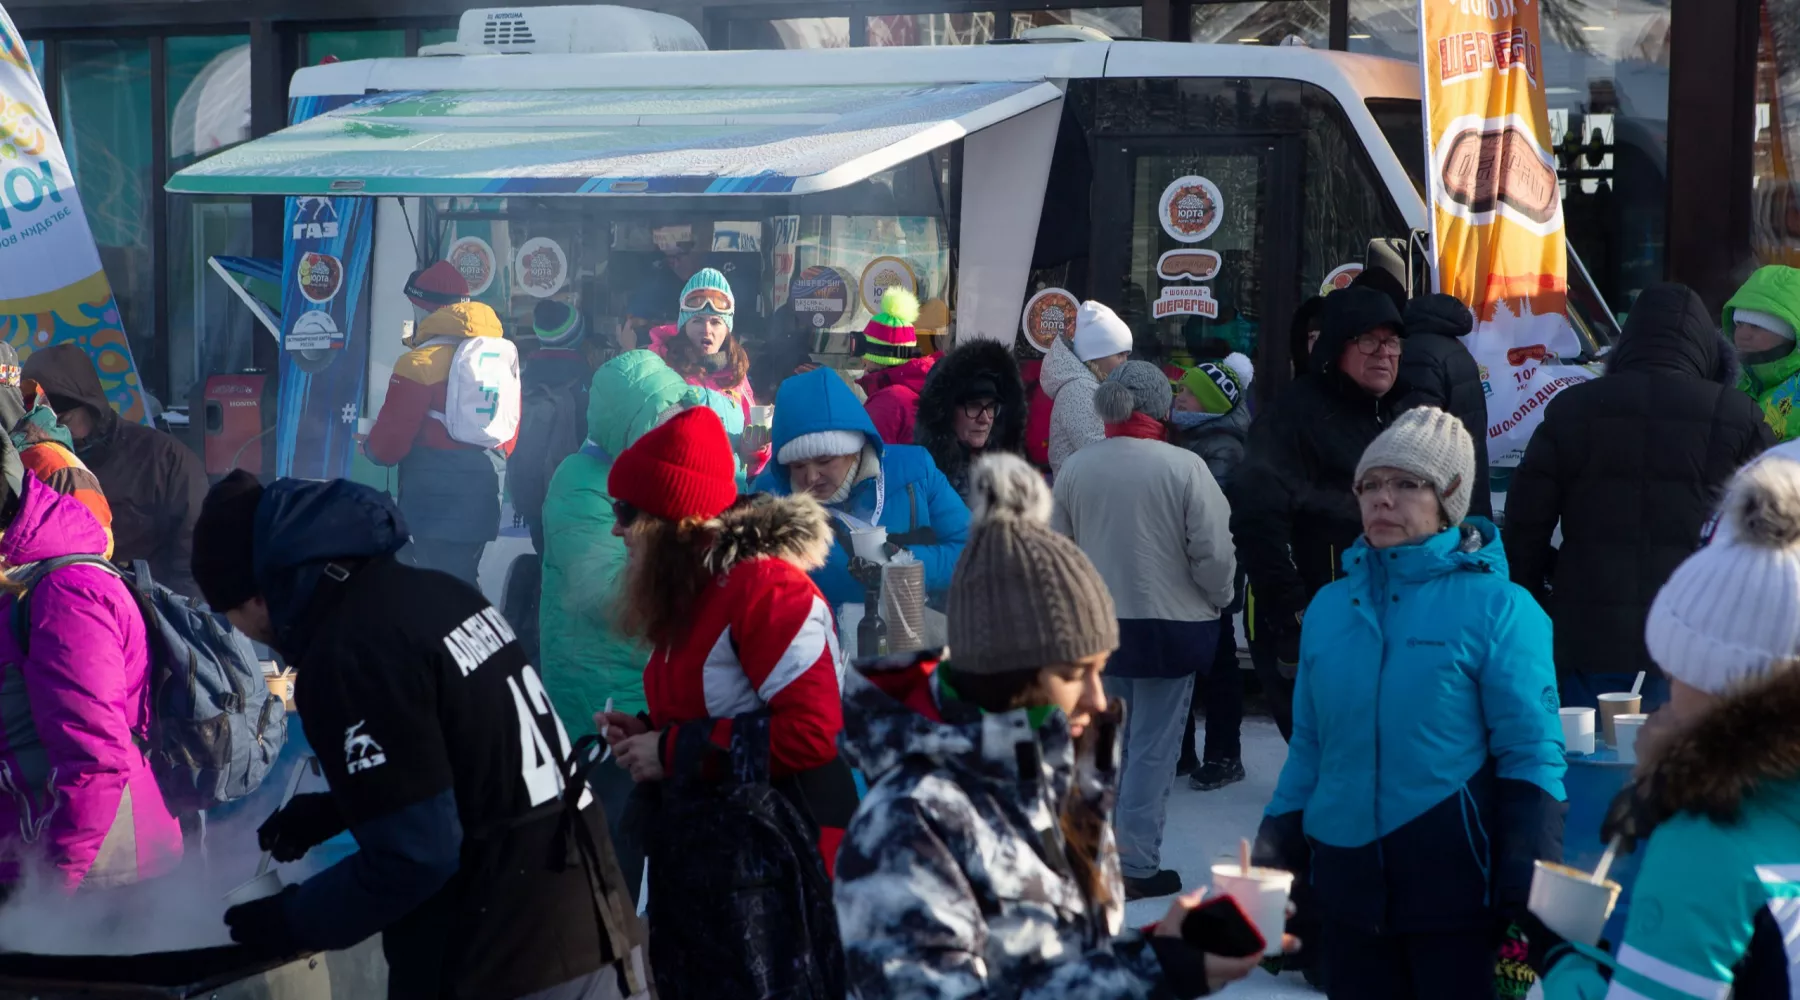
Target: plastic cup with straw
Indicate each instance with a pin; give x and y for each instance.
(1262, 892)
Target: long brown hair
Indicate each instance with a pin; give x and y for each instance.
(684, 356)
(1081, 819)
(665, 575)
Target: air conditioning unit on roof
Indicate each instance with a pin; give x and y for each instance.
(589, 28)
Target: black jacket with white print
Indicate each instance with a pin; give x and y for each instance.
(953, 881)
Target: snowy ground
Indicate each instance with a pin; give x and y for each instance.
(1204, 827)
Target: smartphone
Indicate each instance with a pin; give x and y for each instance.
(1219, 926)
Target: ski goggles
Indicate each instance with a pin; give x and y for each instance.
(714, 300)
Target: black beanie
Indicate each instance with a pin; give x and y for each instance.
(224, 564)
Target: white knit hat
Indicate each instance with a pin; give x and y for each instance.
(1099, 332)
(1768, 321)
(1731, 612)
(820, 444)
(1431, 443)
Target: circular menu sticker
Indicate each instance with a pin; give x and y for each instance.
(474, 260)
(1048, 315)
(822, 294)
(1191, 208)
(320, 276)
(1339, 278)
(314, 330)
(542, 267)
(882, 274)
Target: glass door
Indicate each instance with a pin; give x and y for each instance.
(1196, 245)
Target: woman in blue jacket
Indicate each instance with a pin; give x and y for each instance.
(1426, 769)
(826, 445)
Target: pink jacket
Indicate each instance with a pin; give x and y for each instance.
(76, 792)
(740, 391)
(894, 397)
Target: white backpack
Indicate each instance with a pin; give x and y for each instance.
(482, 392)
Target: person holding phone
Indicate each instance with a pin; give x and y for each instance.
(982, 861)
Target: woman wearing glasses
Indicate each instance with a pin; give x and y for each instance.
(702, 348)
(973, 404)
(1425, 774)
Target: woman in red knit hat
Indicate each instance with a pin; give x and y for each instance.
(736, 764)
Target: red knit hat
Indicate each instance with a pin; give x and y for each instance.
(679, 470)
(437, 286)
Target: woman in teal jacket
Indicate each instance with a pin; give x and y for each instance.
(896, 486)
(1425, 772)
(1717, 789)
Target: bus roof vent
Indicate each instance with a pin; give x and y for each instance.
(1063, 33)
(566, 29)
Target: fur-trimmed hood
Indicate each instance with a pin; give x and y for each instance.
(1750, 740)
(935, 429)
(794, 528)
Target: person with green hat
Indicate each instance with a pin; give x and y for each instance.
(889, 345)
(1761, 320)
(704, 350)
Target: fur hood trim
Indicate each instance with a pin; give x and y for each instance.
(1749, 740)
(795, 528)
(935, 426)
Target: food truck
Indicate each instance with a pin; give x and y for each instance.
(1203, 191)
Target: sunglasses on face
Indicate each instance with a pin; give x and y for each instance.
(712, 299)
(975, 409)
(625, 514)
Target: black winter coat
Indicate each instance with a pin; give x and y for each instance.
(980, 366)
(1292, 512)
(1439, 371)
(1632, 464)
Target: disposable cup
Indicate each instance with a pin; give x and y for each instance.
(1569, 903)
(1263, 893)
(870, 544)
(1614, 705)
(1578, 730)
(1627, 727)
(762, 416)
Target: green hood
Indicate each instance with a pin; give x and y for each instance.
(1775, 290)
(628, 394)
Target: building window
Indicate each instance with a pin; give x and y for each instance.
(1261, 23)
(931, 29)
(1114, 22)
(436, 36)
(345, 46)
(105, 124)
(35, 52)
(1606, 77)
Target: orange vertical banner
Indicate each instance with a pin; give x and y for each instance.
(1496, 209)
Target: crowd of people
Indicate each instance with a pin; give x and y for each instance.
(967, 820)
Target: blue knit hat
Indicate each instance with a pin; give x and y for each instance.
(557, 324)
(707, 293)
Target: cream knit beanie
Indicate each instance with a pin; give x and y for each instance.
(1731, 612)
(1431, 443)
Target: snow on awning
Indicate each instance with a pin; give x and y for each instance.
(696, 141)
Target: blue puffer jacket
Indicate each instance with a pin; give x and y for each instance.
(909, 497)
(1426, 769)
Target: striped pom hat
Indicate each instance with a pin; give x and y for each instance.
(1219, 385)
(889, 339)
(557, 324)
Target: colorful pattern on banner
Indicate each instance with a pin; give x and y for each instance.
(52, 288)
(325, 343)
(1497, 217)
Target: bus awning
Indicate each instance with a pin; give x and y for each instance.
(697, 141)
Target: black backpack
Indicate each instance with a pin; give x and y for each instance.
(552, 426)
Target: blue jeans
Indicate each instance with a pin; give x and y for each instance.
(1156, 709)
(1579, 690)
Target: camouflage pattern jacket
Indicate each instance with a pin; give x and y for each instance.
(952, 881)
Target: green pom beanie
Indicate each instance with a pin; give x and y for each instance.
(889, 339)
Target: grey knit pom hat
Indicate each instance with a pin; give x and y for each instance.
(1023, 596)
(1134, 387)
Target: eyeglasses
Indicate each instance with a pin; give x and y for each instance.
(625, 514)
(1370, 343)
(715, 299)
(1400, 485)
(975, 409)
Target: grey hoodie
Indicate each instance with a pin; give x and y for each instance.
(1071, 387)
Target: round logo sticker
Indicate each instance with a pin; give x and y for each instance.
(314, 330)
(1339, 278)
(474, 260)
(1191, 209)
(882, 274)
(542, 267)
(822, 294)
(1048, 315)
(320, 276)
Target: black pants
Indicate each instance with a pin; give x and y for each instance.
(1363, 966)
(1278, 691)
(613, 786)
(1219, 699)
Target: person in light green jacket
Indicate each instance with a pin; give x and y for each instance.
(1716, 794)
(1761, 320)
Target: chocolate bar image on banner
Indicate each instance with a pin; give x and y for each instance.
(1198, 265)
(1486, 169)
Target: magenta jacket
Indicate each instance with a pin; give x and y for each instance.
(739, 392)
(76, 791)
(894, 397)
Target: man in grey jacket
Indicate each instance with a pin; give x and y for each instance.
(1155, 523)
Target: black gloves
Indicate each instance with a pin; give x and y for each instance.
(1628, 818)
(303, 824)
(261, 925)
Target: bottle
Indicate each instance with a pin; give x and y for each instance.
(871, 632)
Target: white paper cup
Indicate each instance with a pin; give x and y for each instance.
(1627, 728)
(1612, 706)
(1263, 893)
(1578, 730)
(1569, 904)
(762, 416)
(870, 544)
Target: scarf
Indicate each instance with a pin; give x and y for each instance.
(867, 467)
(1139, 425)
(1187, 420)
